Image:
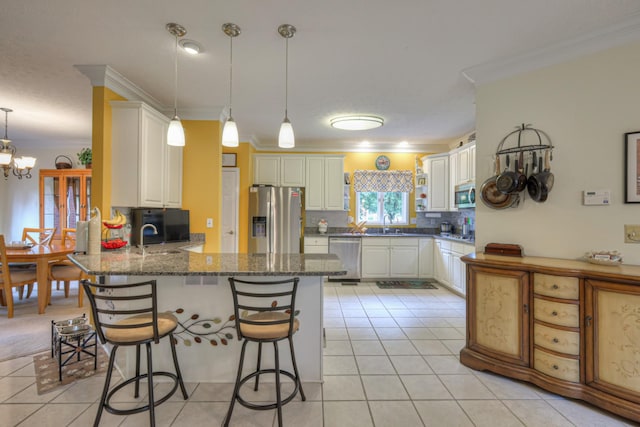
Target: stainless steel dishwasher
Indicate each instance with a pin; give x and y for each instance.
(348, 250)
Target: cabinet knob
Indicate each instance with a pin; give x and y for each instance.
(554, 286)
(556, 367)
(554, 313)
(556, 340)
(588, 320)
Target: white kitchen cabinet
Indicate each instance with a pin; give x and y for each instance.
(375, 257)
(438, 189)
(395, 257)
(453, 176)
(472, 162)
(449, 269)
(324, 183)
(403, 259)
(146, 171)
(466, 164)
(279, 170)
(316, 245)
(425, 258)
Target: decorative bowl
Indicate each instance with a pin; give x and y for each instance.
(604, 257)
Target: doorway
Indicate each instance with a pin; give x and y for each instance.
(230, 196)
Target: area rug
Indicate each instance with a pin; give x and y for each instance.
(46, 368)
(406, 284)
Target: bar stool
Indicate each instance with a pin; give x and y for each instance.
(268, 309)
(127, 315)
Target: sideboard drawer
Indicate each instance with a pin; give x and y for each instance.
(559, 367)
(557, 340)
(556, 313)
(556, 286)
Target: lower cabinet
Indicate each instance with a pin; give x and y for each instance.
(425, 258)
(449, 269)
(316, 245)
(567, 326)
(395, 257)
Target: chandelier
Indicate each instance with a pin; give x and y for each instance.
(20, 166)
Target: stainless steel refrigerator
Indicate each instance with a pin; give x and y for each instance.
(275, 219)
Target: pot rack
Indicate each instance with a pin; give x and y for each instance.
(521, 130)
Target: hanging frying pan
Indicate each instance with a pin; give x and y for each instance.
(540, 184)
(507, 182)
(492, 197)
(521, 174)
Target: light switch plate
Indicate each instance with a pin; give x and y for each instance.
(209, 222)
(631, 233)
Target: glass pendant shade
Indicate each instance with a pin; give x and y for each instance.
(175, 134)
(230, 133)
(5, 157)
(286, 138)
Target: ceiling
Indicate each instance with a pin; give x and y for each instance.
(401, 60)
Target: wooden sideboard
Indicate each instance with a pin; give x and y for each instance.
(570, 327)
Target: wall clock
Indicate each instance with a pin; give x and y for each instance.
(382, 163)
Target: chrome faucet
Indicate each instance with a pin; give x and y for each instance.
(384, 223)
(155, 231)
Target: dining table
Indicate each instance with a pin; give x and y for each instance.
(41, 256)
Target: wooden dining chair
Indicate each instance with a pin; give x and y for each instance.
(65, 271)
(38, 236)
(12, 278)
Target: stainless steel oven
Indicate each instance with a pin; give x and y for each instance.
(465, 195)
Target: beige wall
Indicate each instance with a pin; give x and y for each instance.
(586, 106)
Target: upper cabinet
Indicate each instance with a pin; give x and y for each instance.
(465, 165)
(282, 171)
(146, 172)
(437, 167)
(324, 183)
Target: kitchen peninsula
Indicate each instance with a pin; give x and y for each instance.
(195, 287)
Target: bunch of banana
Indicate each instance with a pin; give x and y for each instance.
(117, 221)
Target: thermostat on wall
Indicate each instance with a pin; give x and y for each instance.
(596, 197)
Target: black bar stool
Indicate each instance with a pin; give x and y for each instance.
(268, 315)
(127, 315)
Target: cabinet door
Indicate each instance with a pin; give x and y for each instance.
(152, 160)
(425, 262)
(334, 183)
(173, 177)
(612, 332)
(446, 267)
(458, 275)
(314, 191)
(375, 261)
(438, 189)
(403, 261)
(292, 171)
(463, 172)
(266, 170)
(472, 162)
(438, 261)
(453, 179)
(498, 313)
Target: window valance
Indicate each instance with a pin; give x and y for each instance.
(370, 180)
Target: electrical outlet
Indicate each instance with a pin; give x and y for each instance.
(209, 222)
(631, 233)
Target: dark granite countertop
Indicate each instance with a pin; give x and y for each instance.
(177, 262)
(470, 241)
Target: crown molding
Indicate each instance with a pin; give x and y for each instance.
(104, 75)
(623, 32)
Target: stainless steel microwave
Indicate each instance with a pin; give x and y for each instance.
(465, 195)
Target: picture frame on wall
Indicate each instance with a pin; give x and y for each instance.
(632, 167)
(229, 160)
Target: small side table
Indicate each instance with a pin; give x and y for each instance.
(71, 338)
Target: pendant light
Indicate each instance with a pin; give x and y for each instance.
(286, 138)
(175, 134)
(230, 130)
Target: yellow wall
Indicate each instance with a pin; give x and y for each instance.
(244, 162)
(101, 148)
(202, 178)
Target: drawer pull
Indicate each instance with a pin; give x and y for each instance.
(554, 313)
(556, 340)
(556, 367)
(555, 286)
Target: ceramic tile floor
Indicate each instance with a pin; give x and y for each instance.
(391, 359)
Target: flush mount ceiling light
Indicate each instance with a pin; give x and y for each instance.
(190, 46)
(175, 134)
(286, 138)
(358, 122)
(230, 130)
(20, 166)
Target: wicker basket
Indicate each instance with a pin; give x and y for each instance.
(61, 162)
